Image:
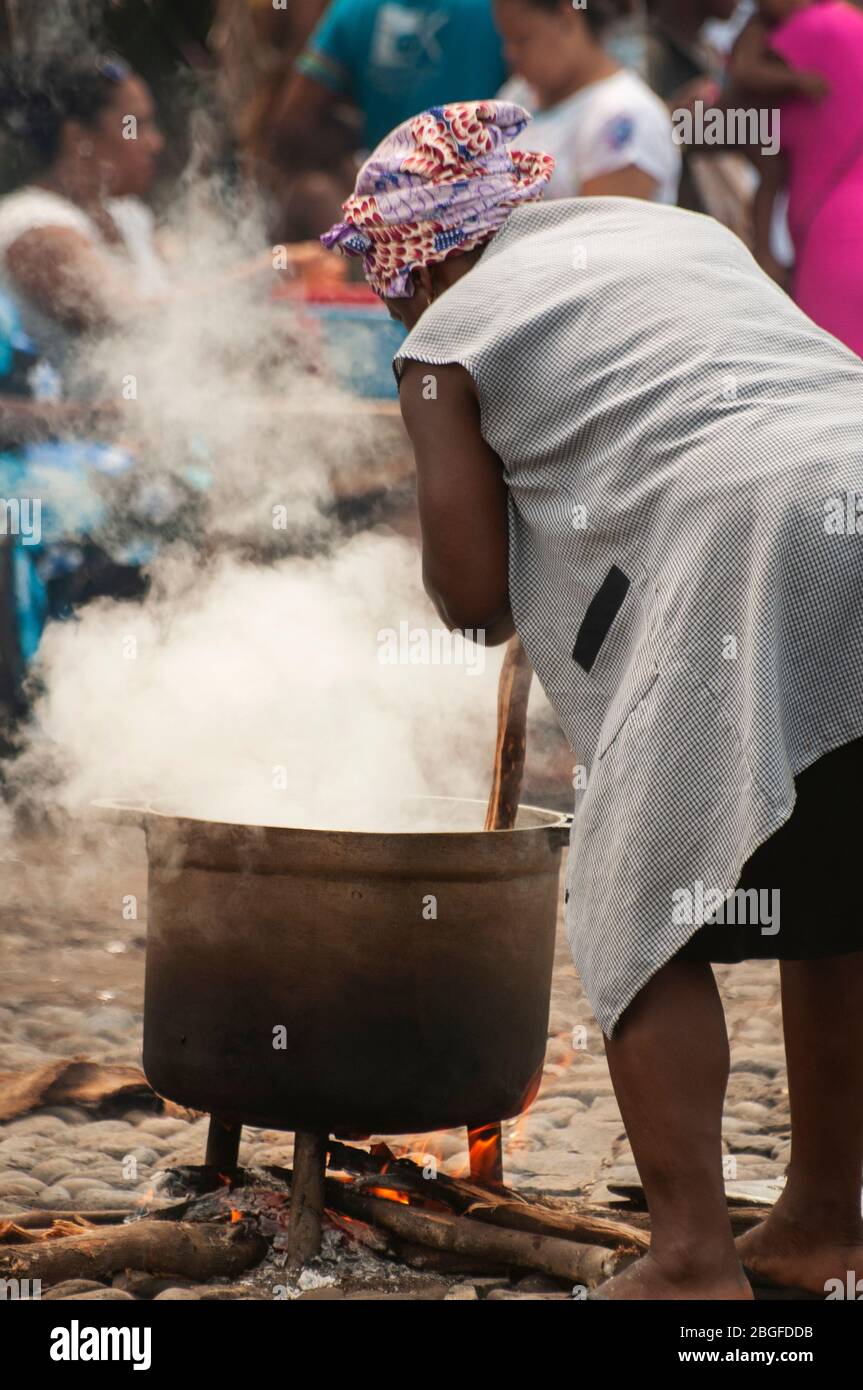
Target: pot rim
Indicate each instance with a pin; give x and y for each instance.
(139, 813)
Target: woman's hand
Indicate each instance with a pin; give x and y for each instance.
(462, 498)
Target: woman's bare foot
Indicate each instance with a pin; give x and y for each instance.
(802, 1253)
(648, 1278)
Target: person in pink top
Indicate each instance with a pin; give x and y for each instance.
(818, 44)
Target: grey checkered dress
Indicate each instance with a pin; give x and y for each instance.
(683, 449)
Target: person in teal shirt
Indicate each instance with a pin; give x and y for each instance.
(386, 59)
(398, 57)
(366, 67)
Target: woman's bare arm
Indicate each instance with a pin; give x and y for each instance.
(463, 501)
(61, 272)
(630, 182)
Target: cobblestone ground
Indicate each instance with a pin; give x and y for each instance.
(72, 984)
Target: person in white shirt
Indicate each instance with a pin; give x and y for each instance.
(78, 251)
(608, 132)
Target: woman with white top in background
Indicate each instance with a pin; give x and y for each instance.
(77, 245)
(76, 240)
(610, 135)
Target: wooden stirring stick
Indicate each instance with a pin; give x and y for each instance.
(485, 1142)
(512, 696)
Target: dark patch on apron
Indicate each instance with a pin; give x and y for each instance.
(601, 613)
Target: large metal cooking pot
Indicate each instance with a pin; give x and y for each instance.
(351, 982)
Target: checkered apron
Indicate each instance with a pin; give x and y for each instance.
(683, 449)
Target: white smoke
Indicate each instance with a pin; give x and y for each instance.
(249, 685)
(257, 695)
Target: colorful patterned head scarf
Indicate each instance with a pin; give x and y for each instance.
(438, 185)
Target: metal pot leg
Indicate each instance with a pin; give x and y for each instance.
(223, 1144)
(307, 1197)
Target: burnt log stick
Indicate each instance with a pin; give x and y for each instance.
(307, 1197)
(196, 1250)
(37, 1218)
(441, 1191)
(517, 1215)
(460, 1235)
(508, 1210)
(350, 1159)
(429, 1261)
(591, 1230)
(457, 1193)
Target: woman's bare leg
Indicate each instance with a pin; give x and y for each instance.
(669, 1064)
(815, 1231)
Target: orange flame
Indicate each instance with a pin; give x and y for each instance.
(390, 1193)
(485, 1153)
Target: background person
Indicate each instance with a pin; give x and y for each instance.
(681, 62)
(380, 62)
(383, 57)
(606, 130)
(809, 57)
(77, 241)
(685, 62)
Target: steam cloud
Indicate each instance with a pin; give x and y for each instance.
(242, 690)
(256, 695)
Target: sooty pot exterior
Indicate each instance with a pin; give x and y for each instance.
(350, 983)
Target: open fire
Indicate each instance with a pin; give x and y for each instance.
(402, 1210)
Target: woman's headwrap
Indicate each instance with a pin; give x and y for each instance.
(438, 185)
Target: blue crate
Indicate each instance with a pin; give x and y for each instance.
(359, 343)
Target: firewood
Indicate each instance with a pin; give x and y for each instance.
(361, 1232)
(741, 1218)
(430, 1261)
(503, 1206)
(183, 1179)
(593, 1230)
(44, 1219)
(564, 1259)
(495, 1204)
(13, 1234)
(349, 1159)
(512, 696)
(405, 1175)
(432, 1197)
(159, 1247)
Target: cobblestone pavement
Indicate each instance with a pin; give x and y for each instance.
(72, 984)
